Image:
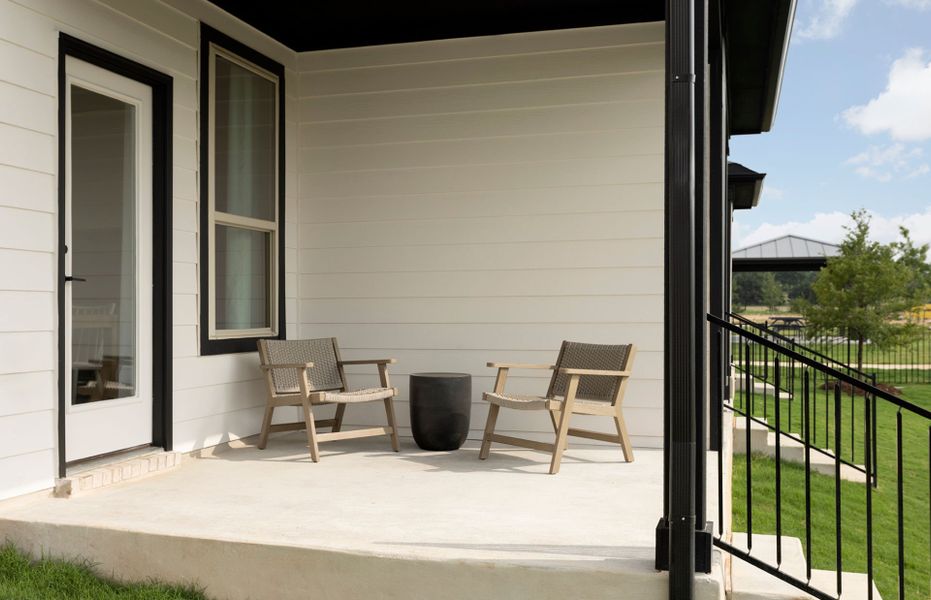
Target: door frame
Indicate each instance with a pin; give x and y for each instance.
(162, 98)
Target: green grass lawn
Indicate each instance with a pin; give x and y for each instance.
(24, 579)
(853, 496)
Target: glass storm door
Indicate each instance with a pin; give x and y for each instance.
(108, 261)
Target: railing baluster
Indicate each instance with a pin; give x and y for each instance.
(837, 487)
(749, 466)
(868, 464)
(853, 437)
(778, 469)
(740, 361)
(814, 415)
(875, 445)
(791, 390)
(765, 379)
(900, 516)
(827, 417)
(805, 400)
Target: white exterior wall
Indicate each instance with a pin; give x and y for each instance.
(475, 200)
(215, 398)
(448, 203)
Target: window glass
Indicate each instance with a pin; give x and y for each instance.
(242, 278)
(244, 141)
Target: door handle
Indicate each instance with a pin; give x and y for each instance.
(70, 278)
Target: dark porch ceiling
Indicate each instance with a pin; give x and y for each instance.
(321, 24)
(756, 32)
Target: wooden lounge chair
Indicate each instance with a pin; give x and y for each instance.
(310, 373)
(588, 379)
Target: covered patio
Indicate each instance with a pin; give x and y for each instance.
(445, 184)
(368, 523)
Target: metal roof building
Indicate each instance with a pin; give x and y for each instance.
(788, 253)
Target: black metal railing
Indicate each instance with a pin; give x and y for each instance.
(760, 373)
(774, 333)
(896, 364)
(815, 407)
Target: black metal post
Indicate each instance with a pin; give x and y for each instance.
(704, 530)
(717, 199)
(680, 357)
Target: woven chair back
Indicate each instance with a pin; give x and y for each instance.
(578, 355)
(323, 352)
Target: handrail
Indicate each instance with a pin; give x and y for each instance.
(852, 381)
(789, 340)
(843, 410)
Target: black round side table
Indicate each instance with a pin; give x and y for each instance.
(441, 406)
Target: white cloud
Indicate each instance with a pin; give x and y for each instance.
(903, 109)
(884, 163)
(829, 227)
(919, 4)
(827, 21)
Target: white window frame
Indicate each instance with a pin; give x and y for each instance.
(216, 217)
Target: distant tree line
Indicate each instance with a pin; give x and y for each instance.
(772, 290)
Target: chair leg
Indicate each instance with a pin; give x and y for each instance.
(311, 431)
(554, 417)
(392, 423)
(626, 448)
(266, 425)
(489, 431)
(340, 411)
(560, 444)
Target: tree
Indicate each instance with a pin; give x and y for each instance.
(757, 288)
(868, 287)
(797, 284)
(773, 296)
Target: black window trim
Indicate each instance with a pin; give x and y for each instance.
(208, 36)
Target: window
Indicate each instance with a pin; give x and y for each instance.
(242, 196)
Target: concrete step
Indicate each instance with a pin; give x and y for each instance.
(759, 387)
(793, 451)
(103, 475)
(758, 436)
(763, 441)
(751, 583)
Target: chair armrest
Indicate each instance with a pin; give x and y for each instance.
(370, 361)
(596, 372)
(287, 366)
(496, 365)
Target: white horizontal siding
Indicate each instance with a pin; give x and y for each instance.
(473, 200)
(447, 203)
(165, 36)
(27, 392)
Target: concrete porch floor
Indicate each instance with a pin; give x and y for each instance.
(368, 523)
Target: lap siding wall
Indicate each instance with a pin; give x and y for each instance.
(483, 199)
(448, 203)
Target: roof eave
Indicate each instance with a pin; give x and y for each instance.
(744, 186)
(755, 70)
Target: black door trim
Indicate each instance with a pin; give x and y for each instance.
(162, 97)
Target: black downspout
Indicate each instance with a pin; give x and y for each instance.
(704, 530)
(678, 524)
(699, 57)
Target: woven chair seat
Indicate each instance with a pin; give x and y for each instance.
(364, 395)
(521, 402)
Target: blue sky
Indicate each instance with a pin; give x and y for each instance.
(853, 127)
